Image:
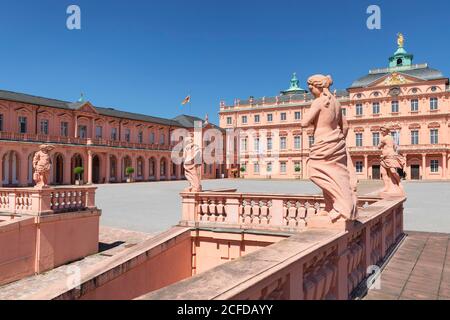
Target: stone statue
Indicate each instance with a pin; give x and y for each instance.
(400, 40)
(328, 159)
(41, 166)
(192, 165)
(391, 160)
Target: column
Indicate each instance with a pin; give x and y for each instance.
(366, 166)
(169, 169)
(76, 127)
(157, 169)
(67, 170)
(145, 169)
(89, 167)
(107, 167)
(424, 166)
(23, 170)
(178, 171)
(1, 169)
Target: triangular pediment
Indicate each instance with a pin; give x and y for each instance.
(394, 79)
(84, 106)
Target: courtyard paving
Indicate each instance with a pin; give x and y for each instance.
(156, 206)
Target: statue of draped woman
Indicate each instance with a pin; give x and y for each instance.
(192, 165)
(328, 163)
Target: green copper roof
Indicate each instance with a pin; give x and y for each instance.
(401, 58)
(295, 86)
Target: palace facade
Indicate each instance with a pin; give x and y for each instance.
(103, 141)
(413, 99)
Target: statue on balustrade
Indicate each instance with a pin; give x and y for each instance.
(328, 159)
(390, 162)
(192, 156)
(41, 166)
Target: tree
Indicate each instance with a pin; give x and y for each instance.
(129, 171)
(78, 171)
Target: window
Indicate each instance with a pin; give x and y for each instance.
(244, 119)
(114, 134)
(98, 132)
(256, 167)
(257, 118)
(359, 140)
(414, 137)
(433, 103)
(1, 122)
(414, 105)
(376, 108)
(297, 142)
(269, 144)
(434, 136)
(311, 141)
(298, 115)
(152, 137)
(375, 139)
(396, 136)
(44, 126)
(434, 166)
(344, 111)
(162, 138)
(127, 135)
(23, 124)
(283, 143)
(359, 166)
(229, 120)
(244, 144)
(297, 167)
(64, 129)
(82, 132)
(140, 137)
(283, 116)
(269, 167)
(359, 109)
(269, 117)
(256, 144)
(394, 106)
(283, 167)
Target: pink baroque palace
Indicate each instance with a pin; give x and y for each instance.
(413, 100)
(103, 141)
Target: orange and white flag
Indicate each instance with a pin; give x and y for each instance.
(186, 100)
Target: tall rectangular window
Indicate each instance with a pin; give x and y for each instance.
(64, 129)
(298, 115)
(229, 120)
(269, 117)
(98, 132)
(114, 134)
(376, 108)
(396, 136)
(269, 144)
(152, 137)
(394, 107)
(256, 167)
(283, 116)
(434, 164)
(244, 119)
(162, 138)
(82, 132)
(244, 144)
(375, 139)
(1, 122)
(434, 104)
(256, 144)
(359, 166)
(414, 137)
(359, 109)
(283, 167)
(344, 112)
(311, 141)
(127, 135)
(282, 143)
(414, 105)
(434, 136)
(359, 139)
(257, 118)
(140, 137)
(269, 167)
(22, 124)
(297, 142)
(44, 126)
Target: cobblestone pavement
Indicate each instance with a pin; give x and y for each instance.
(419, 270)
(156, 206)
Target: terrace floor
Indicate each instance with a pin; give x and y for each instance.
(419, 270)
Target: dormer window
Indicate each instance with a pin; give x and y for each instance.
(399, 62)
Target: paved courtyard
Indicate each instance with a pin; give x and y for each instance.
(155, 206)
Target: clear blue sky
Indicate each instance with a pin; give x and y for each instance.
(146, 56)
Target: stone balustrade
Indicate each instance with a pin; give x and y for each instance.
(253, 211)
(313, 264)
(37, 202)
